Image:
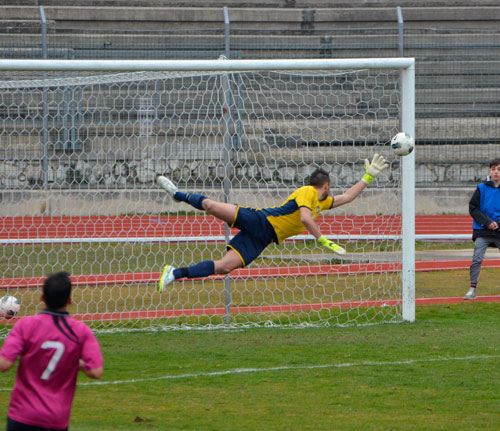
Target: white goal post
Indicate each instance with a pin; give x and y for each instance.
(366, 99)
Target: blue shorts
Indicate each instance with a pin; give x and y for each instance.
(256, 233)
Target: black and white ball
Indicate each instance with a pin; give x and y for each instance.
(9, 307)
(402, 144)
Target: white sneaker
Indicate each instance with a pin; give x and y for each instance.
(166, 185)
(167, 277)
(471, 294)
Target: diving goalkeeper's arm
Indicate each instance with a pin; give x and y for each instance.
(372, 169)
(313, 229)
(377, 165)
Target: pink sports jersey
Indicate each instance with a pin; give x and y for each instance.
(51, 345)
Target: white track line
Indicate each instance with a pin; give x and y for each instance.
(235, 371)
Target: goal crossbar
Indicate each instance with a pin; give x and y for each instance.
(206, 65)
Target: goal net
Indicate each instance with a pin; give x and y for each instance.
(80, 154)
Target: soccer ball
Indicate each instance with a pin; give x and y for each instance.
(402, 144)
(9, 307)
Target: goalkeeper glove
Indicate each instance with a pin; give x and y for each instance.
(374, 168)
(325, 242)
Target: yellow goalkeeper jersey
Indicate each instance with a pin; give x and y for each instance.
(285, 219)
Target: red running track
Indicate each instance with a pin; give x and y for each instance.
(12, 228)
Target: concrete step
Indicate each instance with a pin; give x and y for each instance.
(316, 103)
(26, 27)
(260, 4)
(428, 157)
(144, 17)
(300, 131)
(469, 41)
(464, 82)
(300, 4)
(457, 68)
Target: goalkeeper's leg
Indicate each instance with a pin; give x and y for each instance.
(223, 211)
(242, 250)
(228, 263)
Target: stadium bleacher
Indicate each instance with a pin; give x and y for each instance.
(456, 45)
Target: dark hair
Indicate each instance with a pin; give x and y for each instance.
(319, 177)
(495, 162)
(57, 290)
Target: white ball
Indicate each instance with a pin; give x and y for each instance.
(9, 307)
(402, 144)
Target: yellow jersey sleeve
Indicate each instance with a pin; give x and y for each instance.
(307, 197)
(326, 204)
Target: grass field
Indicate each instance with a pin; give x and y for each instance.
(439, 373)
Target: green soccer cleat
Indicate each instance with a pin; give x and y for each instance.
(167, 277)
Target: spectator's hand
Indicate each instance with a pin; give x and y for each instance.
(493, 225)
(325, 242)
(378, 165)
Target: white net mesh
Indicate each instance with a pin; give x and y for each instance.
(78, 161)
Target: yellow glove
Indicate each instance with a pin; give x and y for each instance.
(325, 242)
(374, 168)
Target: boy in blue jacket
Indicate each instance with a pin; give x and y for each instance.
(484, 207)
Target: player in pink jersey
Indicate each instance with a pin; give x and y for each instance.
(53, 347)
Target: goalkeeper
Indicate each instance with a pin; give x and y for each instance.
(259, 227)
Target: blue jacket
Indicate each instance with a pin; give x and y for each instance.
(484, 207)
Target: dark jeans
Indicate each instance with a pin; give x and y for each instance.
(13, 425)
